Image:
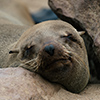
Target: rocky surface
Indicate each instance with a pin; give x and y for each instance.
(20, 84)
(85, 13)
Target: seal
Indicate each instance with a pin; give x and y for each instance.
(56, 51)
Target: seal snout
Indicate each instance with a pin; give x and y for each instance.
(50, 49)
(53, 54)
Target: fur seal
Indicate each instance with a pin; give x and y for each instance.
(56, 51)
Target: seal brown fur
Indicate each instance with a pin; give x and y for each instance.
(55, 50)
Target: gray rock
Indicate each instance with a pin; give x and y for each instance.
(20, 84)
(86, 13)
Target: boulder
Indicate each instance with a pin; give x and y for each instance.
(20, 84)
(81, 13)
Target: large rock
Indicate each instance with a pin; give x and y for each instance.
(20, 84)
(86, 13)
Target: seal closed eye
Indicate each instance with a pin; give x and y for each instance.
(59, 54)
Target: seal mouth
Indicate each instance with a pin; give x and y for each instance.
(58, 62)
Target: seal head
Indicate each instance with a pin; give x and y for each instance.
(55, 50)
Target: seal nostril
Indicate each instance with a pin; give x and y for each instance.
(50, 49)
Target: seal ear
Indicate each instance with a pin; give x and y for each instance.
(13, 51)
(81, 33)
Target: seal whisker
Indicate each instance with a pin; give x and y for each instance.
(32, 68)
(31, 65)
(29, 61)
(35, 68)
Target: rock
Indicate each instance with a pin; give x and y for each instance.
(20, 84)
(86, 13)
